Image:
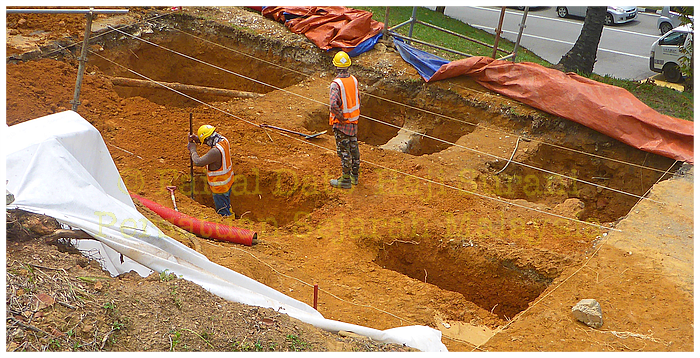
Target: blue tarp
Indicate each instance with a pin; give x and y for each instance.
(365, 45)
(426, 63)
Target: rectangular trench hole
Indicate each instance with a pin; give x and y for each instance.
(496, 285)
(383, 120)
(263, 77)
(278, 198)
(599, 203)
(244, 73)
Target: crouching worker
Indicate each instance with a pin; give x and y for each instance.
(218, 164)
(344, 113)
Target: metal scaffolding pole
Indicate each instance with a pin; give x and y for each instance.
(82, 60)
(433, 46)
(413, 21)
(456, 34)
(498, 31)
(410, 29)
(520, 32)
(386, 23)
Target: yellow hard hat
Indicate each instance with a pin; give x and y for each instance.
(341, 59)
(205, 131)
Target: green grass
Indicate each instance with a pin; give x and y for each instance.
(662, 99)
(400, 14)
(296, 344)
(247, 347)
(166, 276)
(174, 294)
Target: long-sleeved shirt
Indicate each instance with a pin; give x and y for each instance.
(212, 158)
(336, 104)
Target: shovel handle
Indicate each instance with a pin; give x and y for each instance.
(171, 189)
(172, 196)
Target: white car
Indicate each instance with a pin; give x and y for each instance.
(669, 19)
(615, 15)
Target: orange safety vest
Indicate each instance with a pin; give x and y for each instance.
(350, 96)
(220, 180)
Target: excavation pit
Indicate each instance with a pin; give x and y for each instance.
(496, 285)
(607, 188)
(278, 198)
(147, 134)
(386, 122)
(192, 59)
(401, 116)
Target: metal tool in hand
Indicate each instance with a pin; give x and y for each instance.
(306, 136)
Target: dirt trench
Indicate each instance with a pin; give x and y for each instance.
(429, 233)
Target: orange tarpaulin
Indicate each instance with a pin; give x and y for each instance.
(607, 109)
(327, 26)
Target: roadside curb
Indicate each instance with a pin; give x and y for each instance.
(659, 80)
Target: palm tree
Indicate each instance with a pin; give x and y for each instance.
(582, 56)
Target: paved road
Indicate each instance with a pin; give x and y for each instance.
(623, 51)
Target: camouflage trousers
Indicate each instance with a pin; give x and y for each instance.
(348, 151)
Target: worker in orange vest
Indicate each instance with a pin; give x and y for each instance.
(344, 115)
(218, 164)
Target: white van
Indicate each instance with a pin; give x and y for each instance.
(666, 52)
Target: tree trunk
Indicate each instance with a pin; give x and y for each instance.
(582, 56)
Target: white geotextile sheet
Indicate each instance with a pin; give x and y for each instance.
(59, 166)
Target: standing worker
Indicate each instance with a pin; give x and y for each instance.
(218, 164)
(344, 114)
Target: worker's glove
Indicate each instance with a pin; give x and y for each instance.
(191, 147)
(194, 139)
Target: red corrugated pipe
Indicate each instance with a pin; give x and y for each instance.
(205, 229)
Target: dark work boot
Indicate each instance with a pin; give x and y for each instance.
(344, 182)
(354, 178)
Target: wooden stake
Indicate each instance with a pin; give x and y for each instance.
(316, 297)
